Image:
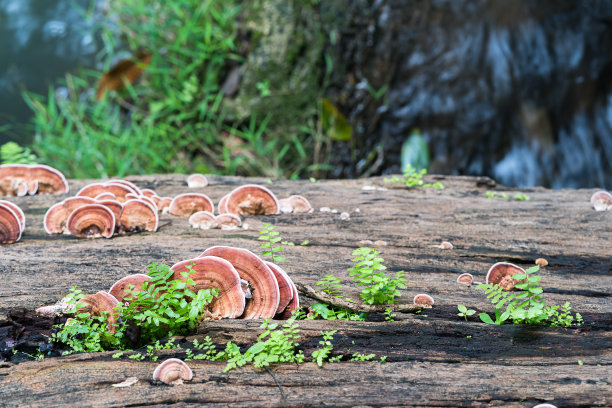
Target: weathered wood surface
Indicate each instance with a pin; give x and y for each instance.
(437, 360)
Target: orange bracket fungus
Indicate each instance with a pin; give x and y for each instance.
(601, 201)
(10, 226)
(264, 287)
(120, 190)
(57, 216)
(465, 278)
(501, 274)
(295, 204)
(105, 196)
(423, 300)
(203, 220)
(18, 212)
(210, 272)
(293, 305)
(252, 199)
(50, 180)
(91, 221)
(118, 290)
(185, 205)
(99, 303)
(163, 204)
(22, 179)
(222, 207)
(138, 215)
(172, 371)
(197, 181)
(285, 288)
(228, 221)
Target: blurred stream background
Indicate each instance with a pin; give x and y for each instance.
(520, 91)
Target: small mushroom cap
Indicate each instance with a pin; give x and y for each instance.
(251, 268)
(50, 180)
(119, 289)
(126, 183)
(213, 272)
(12, 179)
(21, 189)
(285, 206)
(545, 405)
(172, 371)
(72, 203)
(541, 262)
(501, 274)
(18, 212)
(147, 192)
(203, 220)
(120, 190)
(99, 303)
(150, 201)
(55, 219)
(285, 288)
(293, 305)
(252, 199)
(228, 221)
(222, 207)
(446, 245)
(424, 300)
(601, 201)
(300, 205)
(10, 227)
(185, 205)
(164, 204)
(465, 278)
(91, 221)
(197, 181)
(32, 187)
(138, 215)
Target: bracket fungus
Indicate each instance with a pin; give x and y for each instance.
(197, 181)
(203, 220)
(163, 204)
(172, 371)
(185, 205)
(601, 201)
(18, 212)
(210, 272)
(501, 274)
(228, 221)
(292, 306)
(138, 215)
(424, 300)
(465, 278)
(296, 204)
(222, 207)
(119, 190)
(57, 216)
(264, 287)
(118, 290)
(91, 221)
(285, 288)
(107, 195)
(252, 199)
(10, 226)
(23, 179)
(101, 302)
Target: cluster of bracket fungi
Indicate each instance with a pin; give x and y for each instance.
(500, 274)
(104, 209)
(23, 179)
(249, 287)
(248, 199)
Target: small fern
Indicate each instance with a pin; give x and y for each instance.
(12, 153)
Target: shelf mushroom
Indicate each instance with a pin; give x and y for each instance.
(228, 221)
(119, 288)
(57, 216)
(465, 278)
(22, 179)
(91, 221)
(138, 215)
(119, 190)
(252, 199)
(185, 205)
(18, 212)
(424, 300)
(197, 181)
(10, 225)
(210, 272)
(48, 179)
(292, 306)
(501, 274)
(172, 371)
(264, 286)
(601, 201)
(102, 303)
(285, 288)
(295, 204)
(203, 220)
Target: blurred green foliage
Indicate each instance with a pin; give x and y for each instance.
(174, 119)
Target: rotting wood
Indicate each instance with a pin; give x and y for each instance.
(516, 366)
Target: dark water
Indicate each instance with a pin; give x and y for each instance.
(519, 90)
(40, 41)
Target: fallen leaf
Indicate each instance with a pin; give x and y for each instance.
(125, 71)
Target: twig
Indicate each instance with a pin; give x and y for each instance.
(308, 291)
(277, 383)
